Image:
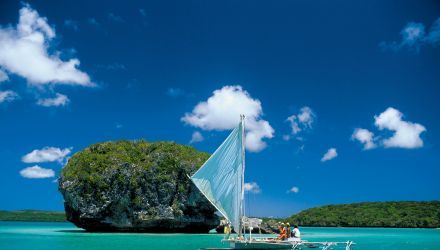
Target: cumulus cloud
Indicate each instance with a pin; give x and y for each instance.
(46, 154)
(293, 190)
(406, 134)
(8, 96)
(37, 172)
(365, 137)
(3, 76)
(58, 100)
(414, 36)
(331, 154)
(301, 121)
(252, 187)
(222, 112)
(196, 137)
(24, 50)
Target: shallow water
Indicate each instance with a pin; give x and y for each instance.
(65, 236)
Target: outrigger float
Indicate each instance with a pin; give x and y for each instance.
(221, 180)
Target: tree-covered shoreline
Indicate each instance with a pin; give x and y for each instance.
(32, 215)
(401, 214)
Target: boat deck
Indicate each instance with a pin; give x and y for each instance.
(268, 243)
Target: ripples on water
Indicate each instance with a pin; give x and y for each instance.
(65, 236)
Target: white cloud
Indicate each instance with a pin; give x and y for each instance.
(406, 134)
(196, 137)
(365, 137)
(331, 154)
(301, 121)
(413, 36)
(24, 50)
(8, 96)
(37, 172)
(222, 112)
(306, 116)
(252, 187)
(294, 124)
(58, 100)
(46, 154)
(3, 76)
(294, 190)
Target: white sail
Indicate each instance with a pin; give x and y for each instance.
(220, 178)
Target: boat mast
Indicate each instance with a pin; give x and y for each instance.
(243, 148)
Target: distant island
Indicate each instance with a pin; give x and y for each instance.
(402, 214)
(32, 215)
(408, 214)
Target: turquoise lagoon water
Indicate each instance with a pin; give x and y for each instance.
(65, 236)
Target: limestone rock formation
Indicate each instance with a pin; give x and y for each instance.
(136, 186)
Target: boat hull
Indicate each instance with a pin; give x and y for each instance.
(266, 244)
(260, 245)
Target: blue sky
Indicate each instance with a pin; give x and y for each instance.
(357, 82)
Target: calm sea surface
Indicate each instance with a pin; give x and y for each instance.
(65, 236)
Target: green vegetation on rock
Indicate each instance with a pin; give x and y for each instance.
(32, 215)
(372, 214)
(136, 186)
